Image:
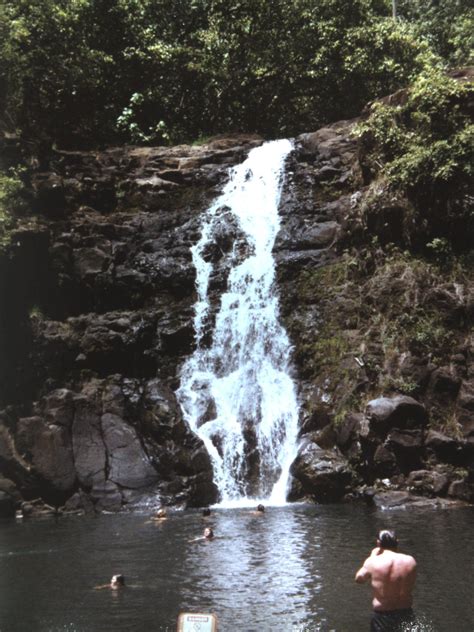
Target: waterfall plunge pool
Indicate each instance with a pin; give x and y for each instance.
(290, 570)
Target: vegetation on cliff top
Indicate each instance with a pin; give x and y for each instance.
(91, 72)
(423, 146)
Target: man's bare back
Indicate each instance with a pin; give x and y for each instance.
(392, 576)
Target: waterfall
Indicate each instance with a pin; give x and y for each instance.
(236, 392)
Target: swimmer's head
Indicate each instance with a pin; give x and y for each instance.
(260, 508)
(387, 540)
(208, 533)
(161, 513)
(206, 512)
(117, 580)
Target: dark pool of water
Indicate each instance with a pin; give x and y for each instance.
(290, 570)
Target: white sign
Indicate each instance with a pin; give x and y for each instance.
(197, 622)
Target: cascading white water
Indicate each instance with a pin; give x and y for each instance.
(236, 392)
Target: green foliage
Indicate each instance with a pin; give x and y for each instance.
(375, 328)
(441, 249)
(424, 146)
(81, 72)
(448, 26)
(11, 202)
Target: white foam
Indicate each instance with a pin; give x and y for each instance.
(243, 376)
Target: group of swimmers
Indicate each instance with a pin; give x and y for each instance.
(118, 581)
(390, 574)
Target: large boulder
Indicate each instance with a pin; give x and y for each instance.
(51, 455)
(402, 500)
(427, 483)
(399, 411)
(323, 474)
(128, 464)
(446, 449)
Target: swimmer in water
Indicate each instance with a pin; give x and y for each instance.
(206, 512)
(117, 582)
(160, 516)
(258, 511)
(208, 534)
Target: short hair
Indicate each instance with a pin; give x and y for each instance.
(120, 579)
(260, 508)
(388, 539)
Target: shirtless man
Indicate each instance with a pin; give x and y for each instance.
(392, 576)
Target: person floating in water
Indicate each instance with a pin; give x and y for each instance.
(392, 576)
(208, 534)
(160, 516)
(117, 582)
(206, 512)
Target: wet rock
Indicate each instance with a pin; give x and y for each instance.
(90, 261)
(400, 411)
(427, 483)
(87, 441)
(385, 462)
(106, 496)
(347, 431)
(14, 466)
(37, 508)
(78, 503)
(51, 455)
(325, 438)
(323, 474)
(404, 500)
(462, 490)
(446, 449)
(301, 235)
(58, 407)
(128, 464)
(407, 446)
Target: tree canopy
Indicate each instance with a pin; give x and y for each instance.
(92, 72)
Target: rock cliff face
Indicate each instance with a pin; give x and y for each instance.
(98, 290)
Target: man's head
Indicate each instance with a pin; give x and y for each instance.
(260, 508)
(387, 540)
(206, 512)
(161, 513)
(117, 580)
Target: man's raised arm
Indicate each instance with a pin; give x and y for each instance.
(363, 574)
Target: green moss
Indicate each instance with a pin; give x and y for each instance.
(373, 311)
